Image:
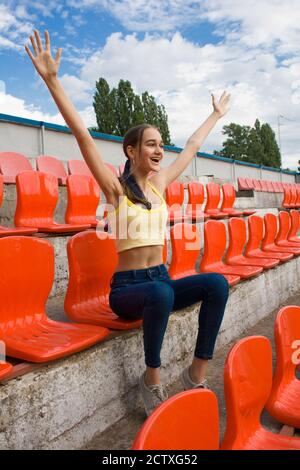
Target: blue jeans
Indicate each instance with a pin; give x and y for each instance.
(150, 294)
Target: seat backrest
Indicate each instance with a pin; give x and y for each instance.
(293, 199)
(27, 273)
(284, 226)
(270, 229)
(247, 385)
(295, 223)
(255, 233)
(185, 239)
(264, 185)
(298, 195)
(287, 340)
(196, 194)
(175, 193)
(242, 183)
(12, 163)
(83, 199)
(37, 196)
(51, 165)
(228, 196)
(188, 420)
(237, 237)
(213, 196)
(287, 196)
(78, 167)
(93, 258)
(214, 243)
(249, 182)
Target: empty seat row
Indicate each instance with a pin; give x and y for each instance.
(194, 212)
(12, 163)
(291, 198)
(248, 388)
(262, 185)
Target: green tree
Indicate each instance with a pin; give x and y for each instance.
(271, 149)
(236, 144)
(120, 108)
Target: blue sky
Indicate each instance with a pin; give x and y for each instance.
(178, 50)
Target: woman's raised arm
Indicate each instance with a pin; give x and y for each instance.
(47, 67)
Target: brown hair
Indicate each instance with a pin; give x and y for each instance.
(133, 137)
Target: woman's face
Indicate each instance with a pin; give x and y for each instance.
(151, 152)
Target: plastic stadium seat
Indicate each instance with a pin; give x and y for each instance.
(284, 403)
(294, 195)
(284, 227)
(5, 369)
(27, 273)
(174, 199)
(8, 231)
(264, 185)
(78, 167)
(269, 186)
(249, 182)
(213, 199)
(228, 201)
(53, 166)
(243, 184)
(37, 196)
(237, 240)
(298, 196)
(83, 200)
(286, 197)
(11, 164)
(268, 243)
(195, 201)
(92, 262)
(214, 247)
(185, 239)
(255, 237)
(295, 226)
(188, 420)
(247, 386)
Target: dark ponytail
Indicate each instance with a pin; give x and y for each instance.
(132, 190)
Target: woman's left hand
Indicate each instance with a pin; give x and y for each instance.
(222, 106)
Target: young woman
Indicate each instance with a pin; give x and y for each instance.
(141, 287)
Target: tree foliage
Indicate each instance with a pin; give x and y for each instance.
(255, 144)
(120, 108)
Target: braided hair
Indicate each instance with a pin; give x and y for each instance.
(131, 188)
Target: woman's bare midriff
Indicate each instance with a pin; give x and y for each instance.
(140, 258)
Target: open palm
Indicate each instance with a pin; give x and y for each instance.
(221, 106)
(42, 59)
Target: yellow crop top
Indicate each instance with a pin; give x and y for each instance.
(134, 226)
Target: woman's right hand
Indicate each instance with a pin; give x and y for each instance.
(45, 65)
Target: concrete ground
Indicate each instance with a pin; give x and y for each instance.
(121, 435)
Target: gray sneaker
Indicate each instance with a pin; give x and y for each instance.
(153, 395)
(187, 382)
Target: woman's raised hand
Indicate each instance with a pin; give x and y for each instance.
(46, 66)
(222, 106)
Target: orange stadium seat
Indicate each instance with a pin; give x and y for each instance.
(195, 201)
(295, 226)
(286, 197)
(83, 200)
(78, 167)
(92, 261)
(247, 386)
(255, 237)
(284, 402)
(27, 273)
(11, 164)
(212, 202)
(214, 248)
(228, 202)
(174, 199)
(237, 241)
(53, 166)
(243, 184)
(284, 228)
(5, 369)
(185, 239)
(188, 420)
(37, 196)
(268, 243)
(8, 231)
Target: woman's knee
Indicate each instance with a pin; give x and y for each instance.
(162, 294)
(219, 285)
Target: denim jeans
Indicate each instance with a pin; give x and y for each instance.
(150, 294)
